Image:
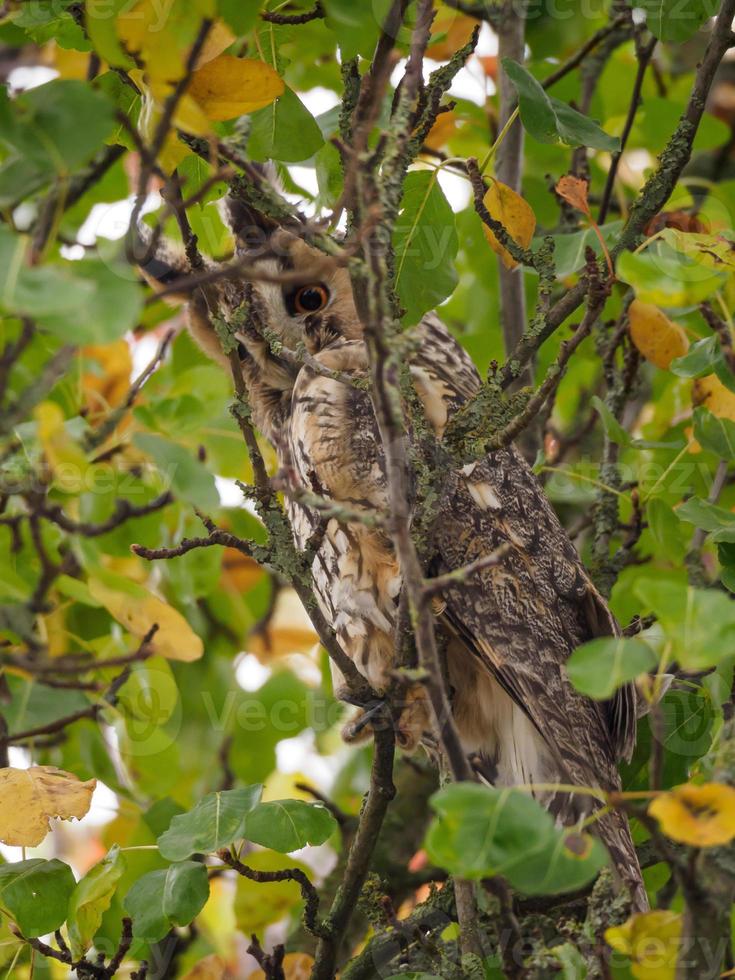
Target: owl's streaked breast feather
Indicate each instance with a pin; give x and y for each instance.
(511, 627)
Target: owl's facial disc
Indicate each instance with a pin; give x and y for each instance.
(314, 290)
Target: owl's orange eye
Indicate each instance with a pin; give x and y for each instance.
(311, 298)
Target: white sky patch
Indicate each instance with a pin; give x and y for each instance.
(112, 220)
(143, 350)
(30, 76)
(305, 177)
(104, 806)
(319, 99)
(250, 673)
(299, 754)
(456, 188)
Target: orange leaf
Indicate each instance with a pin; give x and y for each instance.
(514, 213)
(287, 631)
(657, 338)
(444, 128)
(573, 190)
(452, 31)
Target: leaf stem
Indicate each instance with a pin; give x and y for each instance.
(501, 136)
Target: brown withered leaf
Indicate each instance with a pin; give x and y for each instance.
(573, 190)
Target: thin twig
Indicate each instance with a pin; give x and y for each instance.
(635, 100)
(308, 891)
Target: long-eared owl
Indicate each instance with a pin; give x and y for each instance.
(508, 629)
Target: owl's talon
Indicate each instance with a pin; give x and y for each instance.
(361, 726)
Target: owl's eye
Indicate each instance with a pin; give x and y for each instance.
(311, 298)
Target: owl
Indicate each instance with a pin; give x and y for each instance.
(506, 631)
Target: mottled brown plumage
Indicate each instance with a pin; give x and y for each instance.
(509, 629)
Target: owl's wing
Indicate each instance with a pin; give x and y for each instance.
(520, 619)
(539, 603)
(523, 617)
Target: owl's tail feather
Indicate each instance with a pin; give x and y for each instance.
(614, 832)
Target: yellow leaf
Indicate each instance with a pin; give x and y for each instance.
(711, 392)
(161, 35)
(657, 338)
(287, 631)
(212, 967)
(70, 64)
(296, 966)
(138, 610)
(64, 457)
(109, 384)
(220, 37)
(227, 86)
(29, 798)
(516, 216)
(239, 573)
(187, 111)
(652, 941)
(703, 816)
(713, 251)
(52, 627)
(260, 904)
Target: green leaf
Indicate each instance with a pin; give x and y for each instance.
(569, 863)
(329, 174)
(717, 521)
(287, 825)
(481, 831)
(240, 15)
(613, 429)
(600, 667)
(699, 359)
(181, 471)
(666, 530)
(41, 132)
(425, 243)
(100, 24)
(550, 121)
(113, 306)
(35, 894)
(216, 821)
(356, 25)
(259, 904)
(47, 20)
(166, 898)
(91, 899)
(686, 717)
(676, 20)
(698, 623)
(81, 302)
(715, 433)
(569, 249)
(284, 131)
(665, 277)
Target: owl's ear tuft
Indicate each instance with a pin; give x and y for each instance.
(251, 204)
(161, 264)
(251, 227)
